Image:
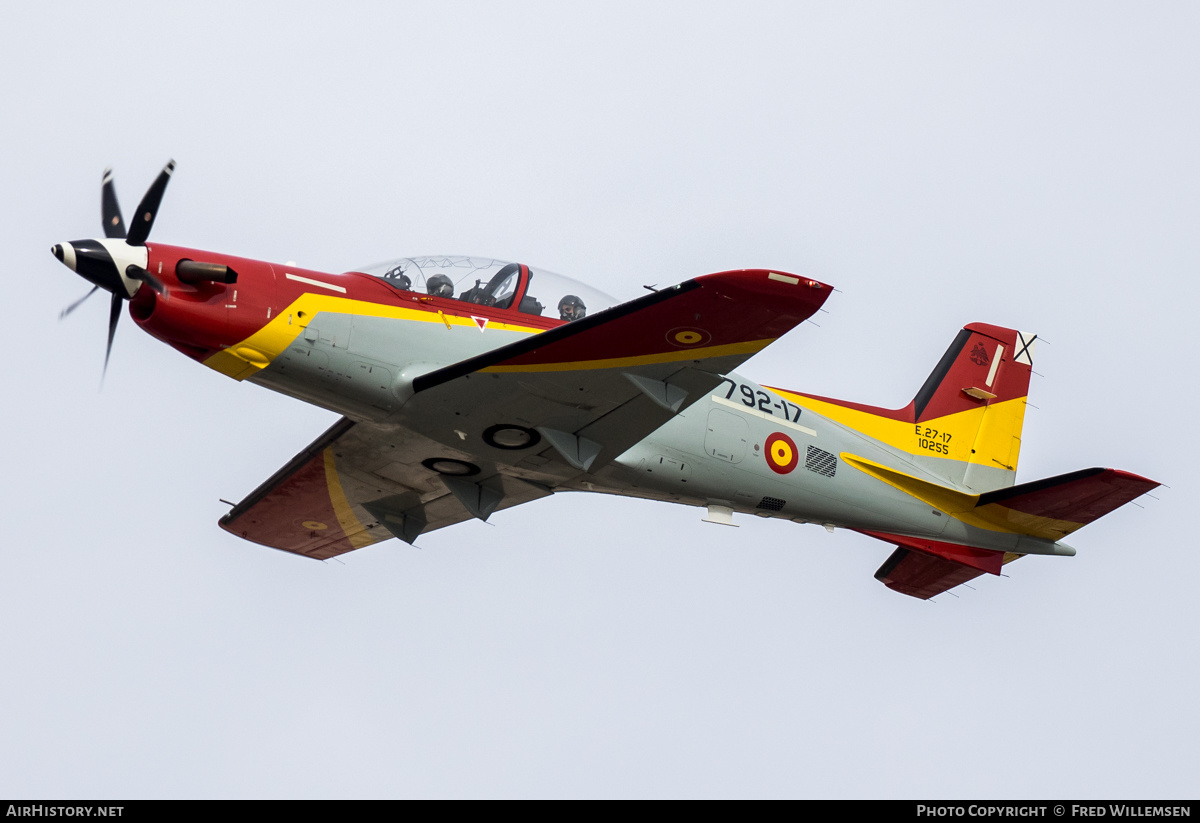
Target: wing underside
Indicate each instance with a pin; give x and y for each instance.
(523, 420)
(356, 485)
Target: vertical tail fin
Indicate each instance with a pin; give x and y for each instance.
(979, 390)
(984, 364)
(964, 424)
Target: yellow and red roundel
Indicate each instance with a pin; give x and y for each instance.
(782, 455)
(688, 337)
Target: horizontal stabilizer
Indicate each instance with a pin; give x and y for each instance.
(924, 568)
(983, 560)
(922, 575)
(1049, 509)
(1057, 506)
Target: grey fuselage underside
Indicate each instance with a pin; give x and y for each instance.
(712, 452)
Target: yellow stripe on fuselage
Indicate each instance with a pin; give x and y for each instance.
(256, 352)
(961, 436)
(748, 347)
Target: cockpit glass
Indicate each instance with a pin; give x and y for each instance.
(491, 282)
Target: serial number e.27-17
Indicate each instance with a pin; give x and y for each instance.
(935, 441)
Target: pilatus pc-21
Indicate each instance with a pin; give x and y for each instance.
(470, 385)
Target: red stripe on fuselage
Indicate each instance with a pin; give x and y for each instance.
(202, 319)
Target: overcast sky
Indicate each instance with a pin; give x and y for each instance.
(1032, 165)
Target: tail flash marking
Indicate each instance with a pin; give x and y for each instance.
(1025, 348)
(991, 378)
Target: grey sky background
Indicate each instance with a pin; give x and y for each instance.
(1026, 164)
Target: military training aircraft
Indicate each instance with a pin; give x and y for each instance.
(469, 385)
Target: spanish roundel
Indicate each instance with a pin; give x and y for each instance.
(781, 453)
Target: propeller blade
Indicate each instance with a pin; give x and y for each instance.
(138, 273)
(143, 220)
(114, 315)
(77, 303)
(110, 210)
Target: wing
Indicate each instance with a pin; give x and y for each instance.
(583, 393)
(523, 420)
(356, 485)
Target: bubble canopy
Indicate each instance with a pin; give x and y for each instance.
(490, 282)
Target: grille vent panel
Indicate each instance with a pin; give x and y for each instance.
(820, 461)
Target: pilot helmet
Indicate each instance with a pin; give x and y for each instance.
(571, 308)
(440, 286)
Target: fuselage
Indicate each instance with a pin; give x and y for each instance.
(354, 342)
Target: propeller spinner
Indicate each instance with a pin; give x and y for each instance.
(117, 263)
